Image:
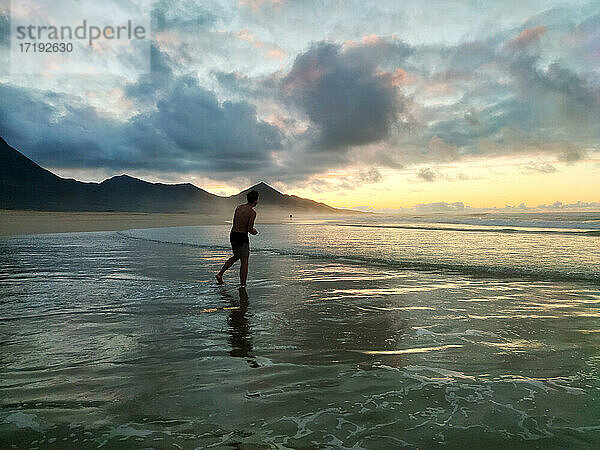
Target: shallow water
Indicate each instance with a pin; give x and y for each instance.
(348, 336)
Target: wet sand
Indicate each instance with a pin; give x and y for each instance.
(16, 222)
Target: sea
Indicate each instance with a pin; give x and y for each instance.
(422, 331)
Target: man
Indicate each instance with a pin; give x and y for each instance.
(243, 223)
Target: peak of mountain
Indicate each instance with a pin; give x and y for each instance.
(268, 195)
(16, 168)
(262, 185)
(261, 188)
(123, 179)
(26, 185)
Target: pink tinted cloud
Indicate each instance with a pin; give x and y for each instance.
(369, 39)
(528, 37)
(276, 54)
(273, 51)
(399, 77)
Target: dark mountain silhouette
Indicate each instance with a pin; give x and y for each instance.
(26, 185)
(274, 198)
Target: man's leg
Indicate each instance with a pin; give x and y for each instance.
(243, 270)
(230, 262)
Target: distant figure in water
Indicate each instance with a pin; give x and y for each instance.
(243, 223)
(290, 217)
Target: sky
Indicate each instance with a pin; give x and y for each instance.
(359, 104)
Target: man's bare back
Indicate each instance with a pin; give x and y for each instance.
(243, 219)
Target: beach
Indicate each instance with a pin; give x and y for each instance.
(372, 334)
(16, 222)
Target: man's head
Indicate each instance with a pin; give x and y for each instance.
(252, 197)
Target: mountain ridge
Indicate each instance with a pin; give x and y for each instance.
(24, 184)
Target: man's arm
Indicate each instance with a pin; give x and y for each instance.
(251, 228)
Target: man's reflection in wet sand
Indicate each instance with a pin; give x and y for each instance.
(240, 332)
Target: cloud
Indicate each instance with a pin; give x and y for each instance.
(460, 207)
(440, 150)
(520, 101)
(60, 131)
(347, 103)
(541, 168)
(189, 130)
(440, 206)
(595, 206)
(149, 86)
(479, 97)
(370, 176)
(426, 174)
(4, 30)
(385, 52)
(344, 182)
(256, 5)
(4, 40)
(244, 86)
(528, 37)
(572, 155)
(181, 15)
(224, 135)
(558, 94)
(434, 207)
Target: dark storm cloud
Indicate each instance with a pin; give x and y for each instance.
(184, 127)
(346, 101)
(188, 130)
(228, 132)
(59, 131)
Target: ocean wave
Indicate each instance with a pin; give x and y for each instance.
(595, 233)
(536, 274)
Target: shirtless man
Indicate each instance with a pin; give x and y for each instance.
(243, 223)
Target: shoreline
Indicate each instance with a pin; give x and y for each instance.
(15, 222)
